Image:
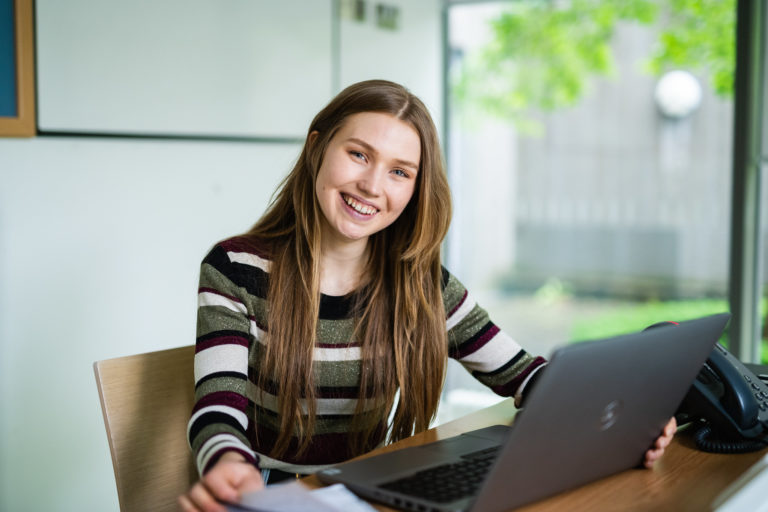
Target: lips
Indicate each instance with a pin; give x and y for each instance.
(359, 206)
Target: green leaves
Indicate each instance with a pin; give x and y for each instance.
(700, 35)
(543, 53)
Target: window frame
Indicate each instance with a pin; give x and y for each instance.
(749, 159)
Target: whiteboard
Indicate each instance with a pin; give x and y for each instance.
(240, 68)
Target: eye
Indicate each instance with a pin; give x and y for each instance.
(401, 173)
(358, 155)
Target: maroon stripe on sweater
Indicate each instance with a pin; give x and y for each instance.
(203, 289)
(463, 298)
(340, 392)
(510, 388)
(244, 244)
(228, 398)
(323, 448)
(335, 345)
(221, 340)
(217, 455)
(477, 342)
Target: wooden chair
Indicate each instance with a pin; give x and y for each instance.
(147, 400)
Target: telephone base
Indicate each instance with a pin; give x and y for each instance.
(761, 370)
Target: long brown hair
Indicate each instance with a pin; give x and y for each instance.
(400, 314)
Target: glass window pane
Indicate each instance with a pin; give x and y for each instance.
(592, 193)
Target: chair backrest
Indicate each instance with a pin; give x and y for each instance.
(146, 400)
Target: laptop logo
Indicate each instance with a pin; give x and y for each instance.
(610, 414)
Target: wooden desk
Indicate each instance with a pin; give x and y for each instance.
(685, 479)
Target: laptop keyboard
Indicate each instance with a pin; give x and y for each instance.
(447, 482)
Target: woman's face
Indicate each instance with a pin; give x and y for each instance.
(367, 176)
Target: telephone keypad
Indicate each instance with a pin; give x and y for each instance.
(761, 395)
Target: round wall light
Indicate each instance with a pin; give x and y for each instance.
(678, 94)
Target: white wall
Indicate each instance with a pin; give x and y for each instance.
(182, 66)
(410, 55)
(100, 243)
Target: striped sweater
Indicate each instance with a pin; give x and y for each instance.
(229, 413)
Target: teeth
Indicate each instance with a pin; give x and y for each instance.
(360, 208)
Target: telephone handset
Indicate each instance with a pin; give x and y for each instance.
(730, 403)
(734, 403)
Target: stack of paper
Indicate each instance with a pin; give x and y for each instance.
(297, 497)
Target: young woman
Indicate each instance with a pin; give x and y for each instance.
(310, 324)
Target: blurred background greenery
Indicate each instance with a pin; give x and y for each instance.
(542, 54)
(590, 200)
(637, 317)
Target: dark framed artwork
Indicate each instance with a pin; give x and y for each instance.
(17, 69)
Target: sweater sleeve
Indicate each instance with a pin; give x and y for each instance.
(487, 352)
(219, 421)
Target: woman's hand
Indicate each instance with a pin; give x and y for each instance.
(655, 452)
(225, 482)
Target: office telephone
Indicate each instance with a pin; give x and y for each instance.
(728, 404)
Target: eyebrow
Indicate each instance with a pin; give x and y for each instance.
(404, 163)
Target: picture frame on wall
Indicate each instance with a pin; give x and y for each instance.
(17, 69)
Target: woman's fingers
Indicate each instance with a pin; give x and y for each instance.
(186, 505)
(199, 498)
(655, 453)
(671, 427)
(224, 483)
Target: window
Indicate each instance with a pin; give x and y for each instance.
(590, 156)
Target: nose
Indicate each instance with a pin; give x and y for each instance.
(371, 182)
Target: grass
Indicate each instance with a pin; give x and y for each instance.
(632, 318)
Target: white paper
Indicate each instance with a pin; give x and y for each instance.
(342, 498)
(297, 497)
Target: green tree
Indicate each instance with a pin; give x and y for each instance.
(700, 35)
(543, 53)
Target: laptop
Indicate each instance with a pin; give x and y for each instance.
(594, 411)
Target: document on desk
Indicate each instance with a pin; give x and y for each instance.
(297, 497)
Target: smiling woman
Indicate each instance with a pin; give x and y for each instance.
(312, 323)
(367, 178)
